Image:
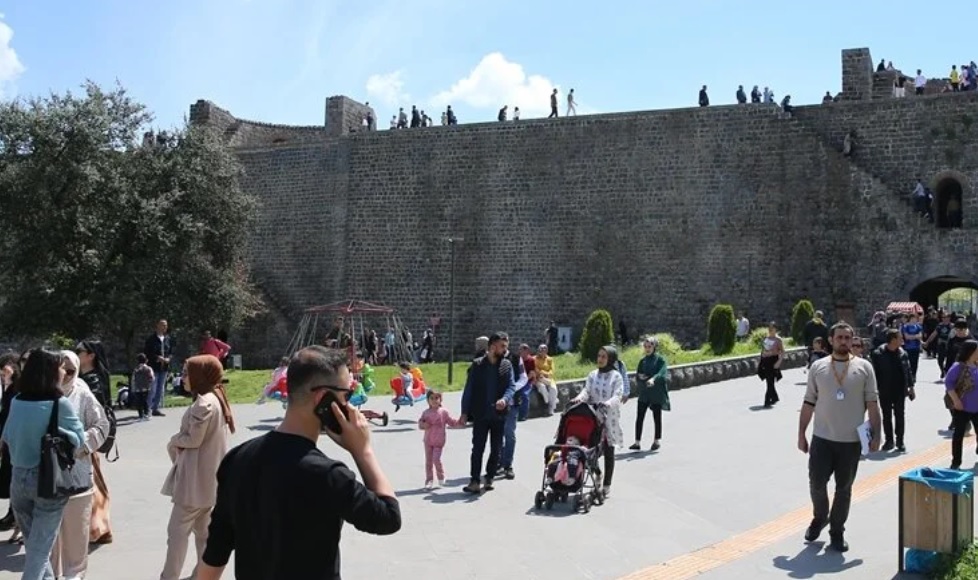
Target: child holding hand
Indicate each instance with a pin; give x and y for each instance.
(433, 422)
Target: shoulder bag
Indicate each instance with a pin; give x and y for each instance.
(55, 473)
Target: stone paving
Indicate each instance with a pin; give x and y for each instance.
(726, 466)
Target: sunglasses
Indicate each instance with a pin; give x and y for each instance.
(345, 391)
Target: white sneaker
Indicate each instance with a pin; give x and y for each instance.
(428, 485)
(441, 483)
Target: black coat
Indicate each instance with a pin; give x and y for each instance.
(154, 347)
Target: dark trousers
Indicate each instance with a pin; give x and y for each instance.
(771, 394)
(140, 402)
(892, 402)
(482, 429)
(656, 418)
(959, 422)
(553, 112)
(942, 359)
(609, 463)
(825, 459)
(914, 356)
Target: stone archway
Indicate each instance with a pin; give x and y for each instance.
(927, 292)
(948, 202)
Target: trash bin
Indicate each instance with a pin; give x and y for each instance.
(236, 362)
(936, 511)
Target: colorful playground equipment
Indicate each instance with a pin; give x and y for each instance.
(416, 391)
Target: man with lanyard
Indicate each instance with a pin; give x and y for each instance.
(841, 390)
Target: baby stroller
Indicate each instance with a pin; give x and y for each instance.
(573, 469)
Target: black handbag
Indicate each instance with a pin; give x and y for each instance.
(54, 478)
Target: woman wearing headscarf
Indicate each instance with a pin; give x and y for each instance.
(69, 556)
(604, 389)
(653, 391)
(9, 373)
(93, 369)
(196, 452)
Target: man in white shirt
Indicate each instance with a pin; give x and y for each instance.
(571, 104)
(919, 83)
(743, 327)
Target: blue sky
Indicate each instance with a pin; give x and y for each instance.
(277, 60)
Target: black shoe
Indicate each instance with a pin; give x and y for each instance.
(509, 474)
(158, 414)
(635, 446)
(838, 543)
(888, 446)
(814, 530)
(901, 448)
(487, 486)
(473, 487)
(655, 446)
(955, 466)
(500, 471)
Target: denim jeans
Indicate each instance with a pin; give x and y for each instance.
(509, 437)
(159, 391)
(39, 520)
(524, 407)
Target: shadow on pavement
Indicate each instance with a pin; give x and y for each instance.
(760, 408)
(261, 427)
(404, 422)
(10, 560)
(635, 455)
(558, 511)
(395, 430)
(811, 562)
(275, 420)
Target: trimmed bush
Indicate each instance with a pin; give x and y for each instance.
(721, 329)
(800, 315)
(757, 337)
(598, 332)
(668, 345)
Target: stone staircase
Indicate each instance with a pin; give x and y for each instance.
(868, 181)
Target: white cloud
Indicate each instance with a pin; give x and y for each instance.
(10, 65)
(495, 82)
(388, 89)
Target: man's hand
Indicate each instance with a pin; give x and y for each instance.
(501, 404)
(803, 443)
(624, 399)
(911, 394)
(463, 420)
(874, 444)
(354, 433)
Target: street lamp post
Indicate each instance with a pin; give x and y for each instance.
(451, 305)
(451, 309)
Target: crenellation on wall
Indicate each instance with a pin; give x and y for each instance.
(345, 116)
(857, 74)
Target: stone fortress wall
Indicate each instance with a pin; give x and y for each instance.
(656, 215)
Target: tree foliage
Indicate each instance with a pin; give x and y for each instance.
(800, 315)
(721, 329)
(103, 234)
(598, 332)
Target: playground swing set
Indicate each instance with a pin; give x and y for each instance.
(348, 331)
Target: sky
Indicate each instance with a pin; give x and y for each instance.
(278, 60)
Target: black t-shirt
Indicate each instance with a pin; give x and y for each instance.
(281, 504)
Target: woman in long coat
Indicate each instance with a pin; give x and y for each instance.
(652, 378)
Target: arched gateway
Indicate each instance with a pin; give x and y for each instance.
(927, 292)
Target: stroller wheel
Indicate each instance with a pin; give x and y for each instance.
(586, 504)
(597, 497)
(384, 419)
(538, 500)
(550, 500)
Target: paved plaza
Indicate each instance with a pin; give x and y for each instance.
(726, 496)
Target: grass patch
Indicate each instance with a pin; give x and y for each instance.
(246, 386)
(961, 566)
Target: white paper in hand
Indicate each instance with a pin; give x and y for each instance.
(865, 436)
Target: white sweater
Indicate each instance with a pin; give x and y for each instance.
(94, 421)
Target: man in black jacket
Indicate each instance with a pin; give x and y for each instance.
(895, 382)
(158, 349)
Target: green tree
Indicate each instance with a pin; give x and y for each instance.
(800, 315)
(598, 332)
(721, 329)
(103, 234)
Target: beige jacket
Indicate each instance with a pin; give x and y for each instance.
(196, 452)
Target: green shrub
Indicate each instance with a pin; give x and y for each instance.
(800, 315)
(757, 337)
(721, 329)
(960, 566)
(668, 345)
(598, 332)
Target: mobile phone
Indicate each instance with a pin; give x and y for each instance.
(324, 410)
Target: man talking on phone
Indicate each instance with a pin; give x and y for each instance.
(281, 502)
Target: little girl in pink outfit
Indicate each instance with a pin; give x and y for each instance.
(433, 422)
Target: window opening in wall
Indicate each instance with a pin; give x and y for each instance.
(948, 197)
